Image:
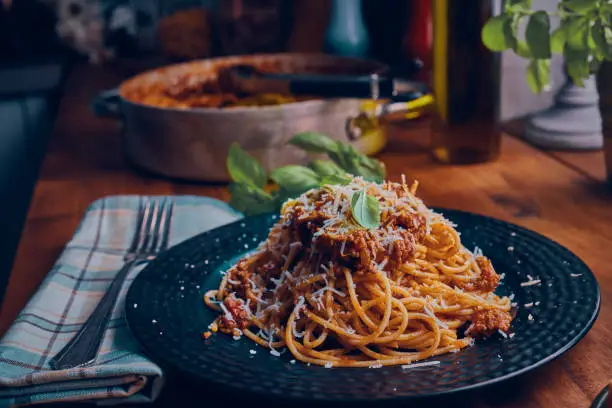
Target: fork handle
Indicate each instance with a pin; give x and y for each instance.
(83, 347)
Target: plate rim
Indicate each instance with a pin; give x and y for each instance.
(568, 346)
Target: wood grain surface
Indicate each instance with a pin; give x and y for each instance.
(561, 196)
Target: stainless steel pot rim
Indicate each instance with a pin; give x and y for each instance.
(376, 67)
(241, 109)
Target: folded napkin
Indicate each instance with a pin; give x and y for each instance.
(67, 296)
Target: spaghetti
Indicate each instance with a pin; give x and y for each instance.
(336, 294)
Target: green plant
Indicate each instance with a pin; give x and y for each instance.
(251, 194)
(584, 37)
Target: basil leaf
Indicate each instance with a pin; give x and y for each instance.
(522, 50)
(580, 6)
(346, 157)
(314, 142)
(577, 64)
(511, 30)
(537, 35)
(372, 169)
(243, 168)
(283, 195)
(538, 75)
(577, 33)
(557, 40)
(494, 34)
(335, 180)
(326, 168)
(517, 5)
(251, 200)
(602, 38)
(358, 164)
(295, 179)
(365, 210)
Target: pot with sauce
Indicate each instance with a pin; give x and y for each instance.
(179, 122)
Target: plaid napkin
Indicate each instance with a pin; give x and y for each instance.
(69, 294)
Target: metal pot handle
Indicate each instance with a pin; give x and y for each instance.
(406, 92)
(107, 104)
(352, 126)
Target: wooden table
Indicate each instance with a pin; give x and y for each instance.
(561, 195)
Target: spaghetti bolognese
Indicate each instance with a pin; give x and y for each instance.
(337, 294)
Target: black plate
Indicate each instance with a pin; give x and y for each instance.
(167, 315)
(601, 399)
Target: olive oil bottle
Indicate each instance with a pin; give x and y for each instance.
(466, 84)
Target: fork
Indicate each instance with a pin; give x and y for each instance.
(150, 238)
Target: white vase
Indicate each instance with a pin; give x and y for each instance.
(572, 123)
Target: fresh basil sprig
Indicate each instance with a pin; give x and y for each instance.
(344, 155)
(326, 168)
(335, 180)
(365, 209)
(243, 168)
(584, 37)
(248, 190)
(251, 200)
(314, 142)
(295, 178)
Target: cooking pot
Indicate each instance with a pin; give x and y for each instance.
(192, 143)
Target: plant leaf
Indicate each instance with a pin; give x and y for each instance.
(372, 169)
(295, 179)
(365, 210)
(314, 142)
(557, 40)
(522, 50)
(580, 6)
(335, 179)
(517, 5)
(243, 168)
(577, 33)
(519, 46)
(602, 38)
(326, 168)
(357, 164)
(251, 200)
(537, 35)
(346, 158)
(538, 75)
(577, 64)
(511, 30)
(494, 34)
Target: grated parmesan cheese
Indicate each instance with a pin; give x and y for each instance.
(423, 364)
(433, 316)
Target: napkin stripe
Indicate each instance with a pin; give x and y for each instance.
(45, 355)
(25, 317)
(21, 364)
(112, 324)
(71, 277)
